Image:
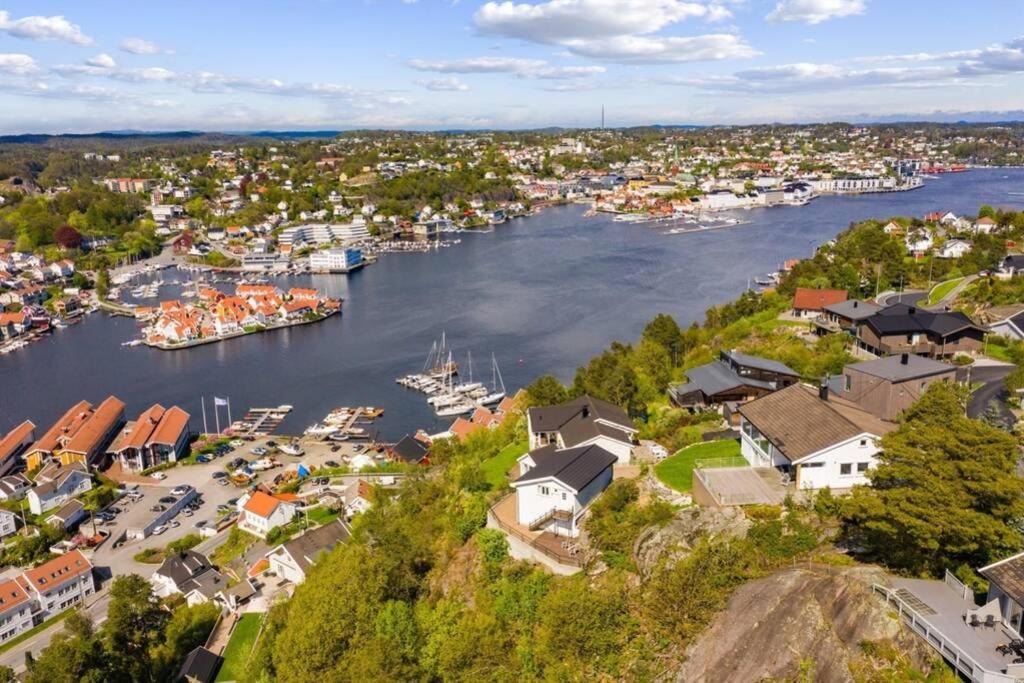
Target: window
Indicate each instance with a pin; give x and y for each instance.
(849, 383)
(862, 466)
(863, 442)
(563, 495)
(845, 468)
(545, 491)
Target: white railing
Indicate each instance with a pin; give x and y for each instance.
(957, 586)
(947, 647)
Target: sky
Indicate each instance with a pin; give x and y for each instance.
(93, 65)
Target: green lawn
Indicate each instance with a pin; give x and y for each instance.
(942, 289)
(497, 467)
(234, 545)
(677, 471)
(239, 647)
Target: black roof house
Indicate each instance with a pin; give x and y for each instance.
(573, 467)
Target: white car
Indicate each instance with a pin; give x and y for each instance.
(159, 476)
(181, 490)
(236, 443)
(175, 524)
(157, 530)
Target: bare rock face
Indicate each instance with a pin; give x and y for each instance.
(818, 615)
(674, 540)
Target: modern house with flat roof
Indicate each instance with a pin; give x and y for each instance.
(887, 386)
(583, 421)
(816, 439)
(734, 377)
(900, 328)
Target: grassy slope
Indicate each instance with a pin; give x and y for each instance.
(942, 289)
(495, 468)
(239, 647)
(677, 470)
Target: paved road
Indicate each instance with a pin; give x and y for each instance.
(991, 390)
(15, 657)
(909, 298)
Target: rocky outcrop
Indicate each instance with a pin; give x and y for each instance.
(674, 540)
(817, 616)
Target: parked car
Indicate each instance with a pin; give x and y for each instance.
(159, 530)
(187, 512)
(235, 464)
(271, 444)
(158, 508)
(200, 524)
(175, 524)
(114, 510)
(181, 490)
(259, 450)
(159, 476)
(168, 500)
(222, 482)
(335, 449)
(236, 443)
(219, 474)
(202, 459)
(331, 463)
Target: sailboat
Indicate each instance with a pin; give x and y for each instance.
(470, 386)
(450, 403)
(496, 395)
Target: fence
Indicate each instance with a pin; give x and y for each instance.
(548, 552)
(958, 586)
(720, 463)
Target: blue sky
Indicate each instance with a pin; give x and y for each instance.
(94, 65)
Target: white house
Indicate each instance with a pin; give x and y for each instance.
(954, 249)
(919, 241)
(8, 525)
(984, 225)
(293, 559)
(1011, 327)
(817, 439)
(70, 481)
(60, 583)
(584, 421)
(262, 512)
(15, 610)
(556, 486)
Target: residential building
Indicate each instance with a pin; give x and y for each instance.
(887, 386)
(15, 610)
(80, 435)
(325, 233)
(583, 421)
(808, 303)
(200, 666)
(815, 439)
(160, 435)
(900, 328)
(555, 487)
(1011, 327)
(262, 512)
(69, 516)
(336, 260)
(734, 377)
(413, 450)
(954, 249)
(14, 487)
(293, 559)
(13, 444)
(8, 524)
(1006, 585)
(1012, 265)
(190, 574)
(60, 583)
(67, 482)
(845, 316)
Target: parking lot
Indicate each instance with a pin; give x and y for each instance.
(139, 514)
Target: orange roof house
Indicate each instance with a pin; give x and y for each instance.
(811, 301)
(12, 445)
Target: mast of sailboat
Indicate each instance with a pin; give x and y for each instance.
(469, 360)
(428, 365)
(497, 372)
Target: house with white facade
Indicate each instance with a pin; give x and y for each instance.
(583, 421)
(15, 610)
(69, 481)
(293, 559)
(556, 486)
(954, 248)
(262, 512)
(814, 438)
(60, 583)
(8, 523)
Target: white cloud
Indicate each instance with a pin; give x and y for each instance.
(102, 60)
(623, 31)
(43, 28)
(815, 11)
(477, 65)
(17, 64)
(523, 68)
(139, 46)
(557, 21)
(449, 83)
(664, 50)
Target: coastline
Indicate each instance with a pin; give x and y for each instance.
(192, 343)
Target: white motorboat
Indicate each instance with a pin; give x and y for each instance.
(456, 409)
(496, 394)
(319, 430)
(291, 449)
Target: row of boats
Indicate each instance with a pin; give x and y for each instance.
(447, 393)
(342, 424)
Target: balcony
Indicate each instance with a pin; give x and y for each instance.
(567, 554)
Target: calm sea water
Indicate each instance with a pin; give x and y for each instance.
(544, 294)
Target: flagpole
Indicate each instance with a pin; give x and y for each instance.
(202, 401)
(229, 411)
(216, 414)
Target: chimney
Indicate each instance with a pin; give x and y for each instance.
(912, 310)
(904, 358)
(823, 389)
(855, 302)
(585, 412)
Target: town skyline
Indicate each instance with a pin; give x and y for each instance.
(430, 65)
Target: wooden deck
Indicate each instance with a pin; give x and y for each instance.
(506, 514)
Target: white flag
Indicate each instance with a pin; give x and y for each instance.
(219, 401)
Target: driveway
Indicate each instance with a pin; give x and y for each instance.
(991, 390)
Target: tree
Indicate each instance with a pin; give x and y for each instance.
(134, 623)
(665, 331)
(546, 390)
(74, 655)
(67, 237)
(188, 628)
(103, 283)
(945, 492)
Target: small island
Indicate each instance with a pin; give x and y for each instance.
(217, 316)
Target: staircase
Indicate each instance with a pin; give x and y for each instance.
(553, 513)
